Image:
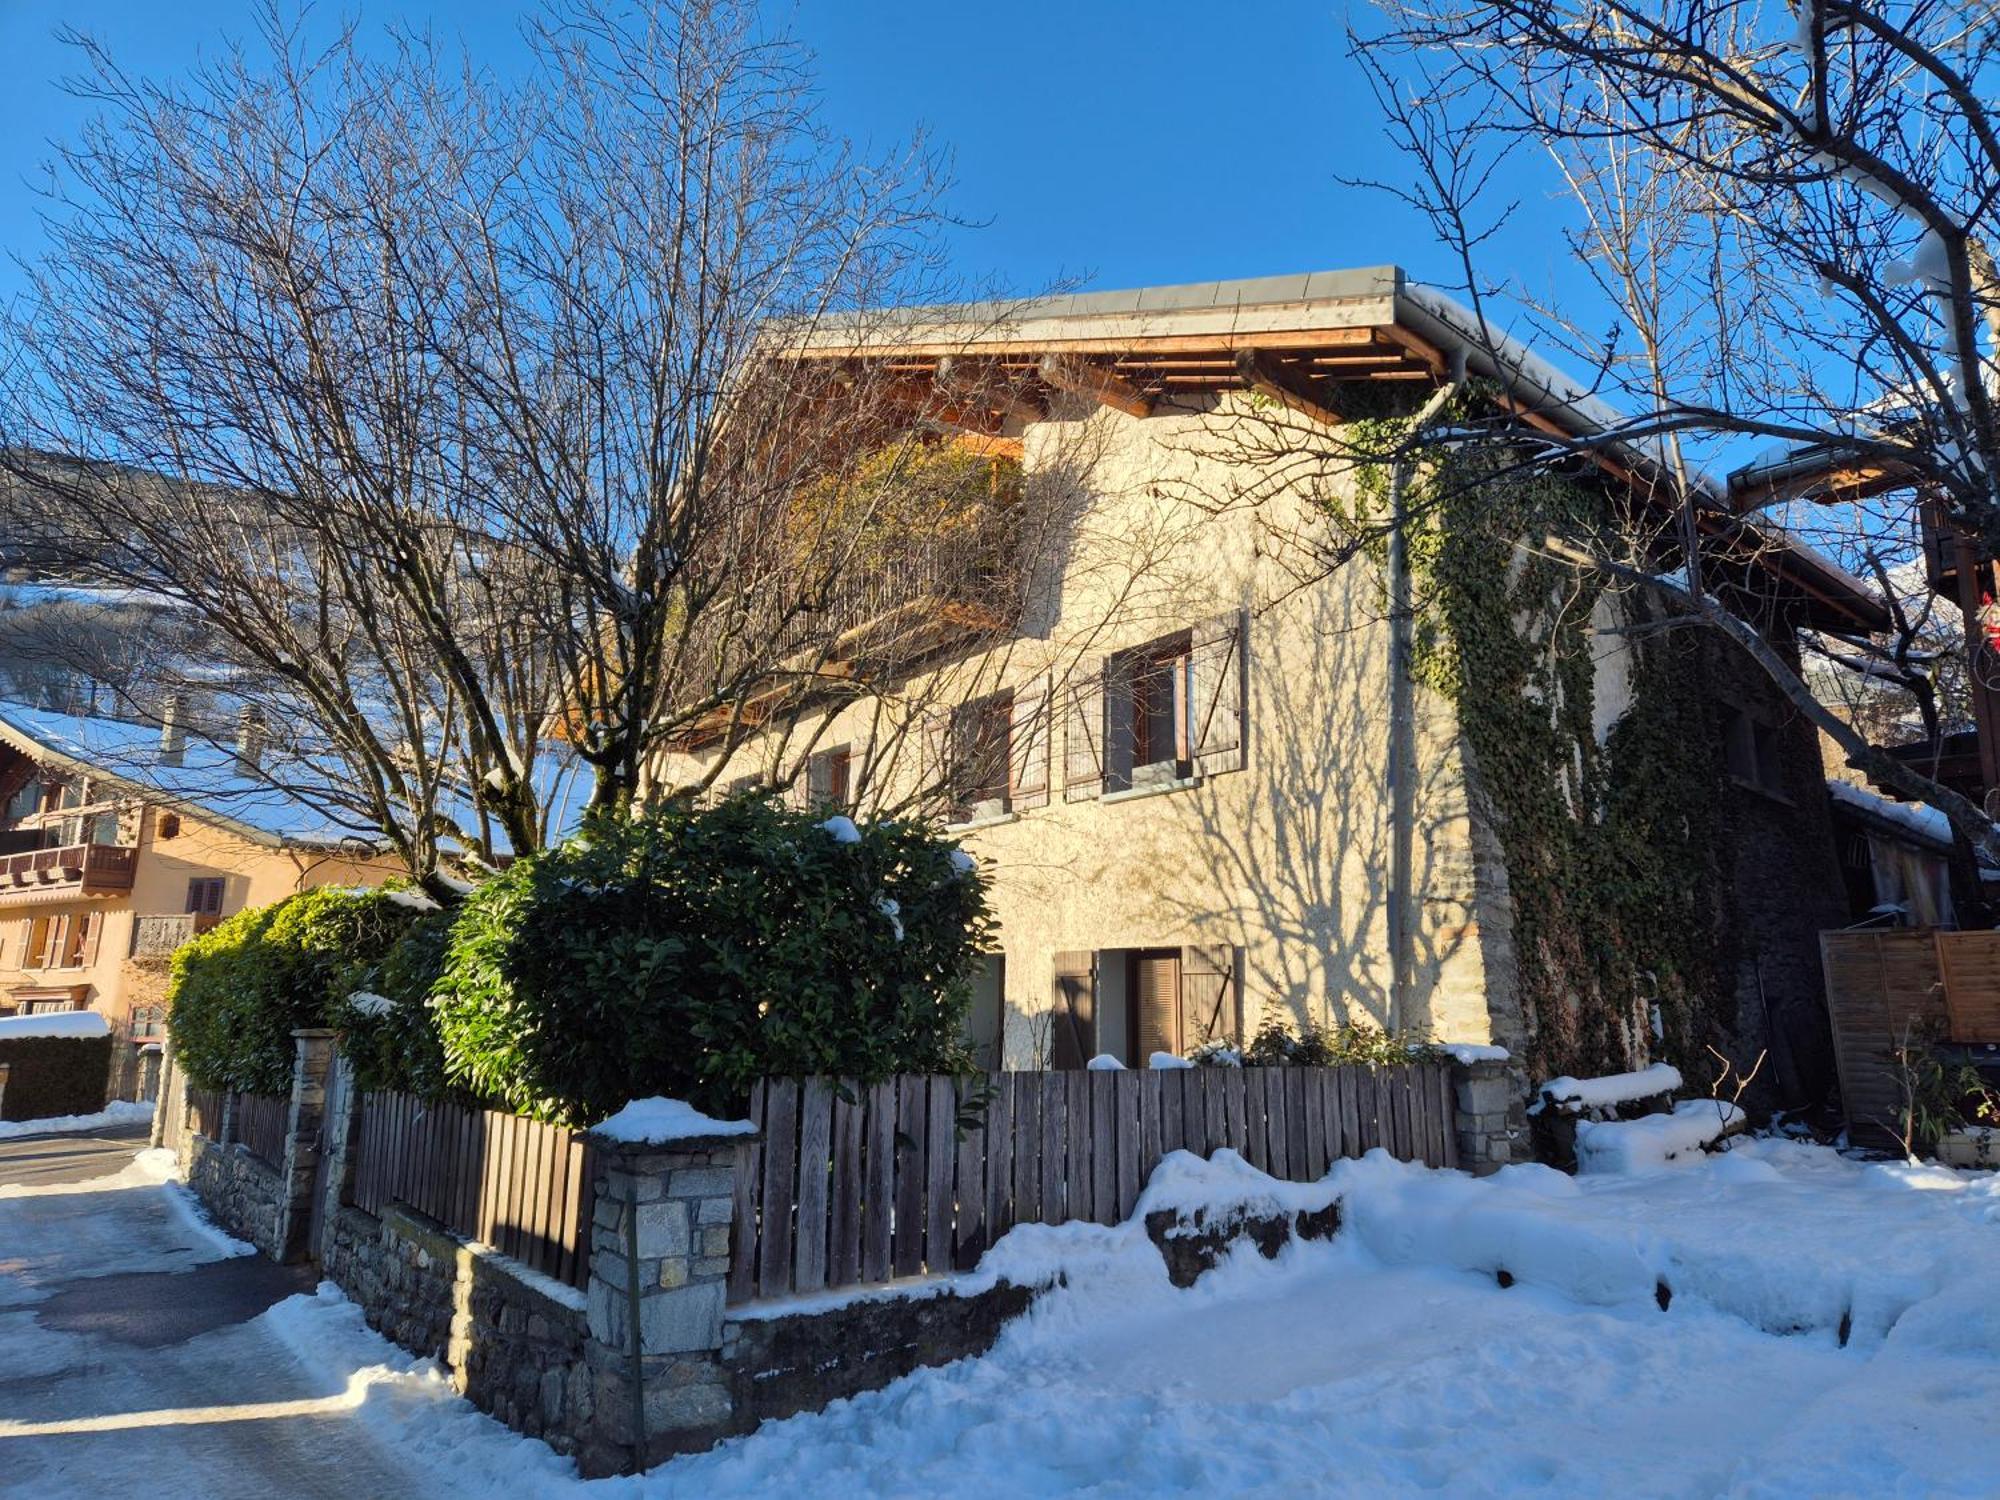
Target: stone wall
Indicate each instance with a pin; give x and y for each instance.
(1491, 1100)
(242, 1194)
(512, 1341)
(780, 1366)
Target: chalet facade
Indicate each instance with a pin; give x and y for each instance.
(119, 841)
(1176, 764)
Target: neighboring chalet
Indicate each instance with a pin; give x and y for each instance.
(1174, 760)
(119, 841)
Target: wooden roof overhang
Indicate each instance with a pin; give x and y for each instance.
(986, 371)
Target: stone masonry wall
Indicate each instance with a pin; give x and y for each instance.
(244, 1195)
(512, 1341)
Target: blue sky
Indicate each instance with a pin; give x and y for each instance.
(1106, 144)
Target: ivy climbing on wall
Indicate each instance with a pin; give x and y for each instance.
(1612, 850)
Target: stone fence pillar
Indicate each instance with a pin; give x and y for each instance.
(1491, 1097)
(659, 1268)
(298, 1175)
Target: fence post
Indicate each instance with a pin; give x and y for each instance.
(343, 1117)
(5, 1068)
(659, 1264)
(314, 1055)
(1490, 1098)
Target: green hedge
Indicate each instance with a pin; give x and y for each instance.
(239, 991)
(399, 1048)
(690, 952)
(55, 1075)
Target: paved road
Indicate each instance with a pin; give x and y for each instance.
(130, 1361)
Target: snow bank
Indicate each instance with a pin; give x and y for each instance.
(54, 1023)
(1574, 1095)
(659, 1122)
(118, 1112)
(1653, 1141)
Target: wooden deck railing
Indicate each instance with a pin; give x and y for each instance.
(855, 1185)
(94, 868)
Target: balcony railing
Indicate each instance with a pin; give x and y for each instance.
(156, 937)
(73, 870)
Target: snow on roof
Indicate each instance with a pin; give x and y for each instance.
(54, 1023)
(301, 810)
(658, 1122)
(1923, 823)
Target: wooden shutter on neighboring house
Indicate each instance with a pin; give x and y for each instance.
(1221, 710)
(1083, 730)
(936, 747)
(1028, 746)
(93, 932)
(1073, 1040)
(1156, 992)
(1211, 999)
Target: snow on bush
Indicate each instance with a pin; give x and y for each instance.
(55, 1023)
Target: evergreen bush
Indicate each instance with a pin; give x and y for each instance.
(689, 952)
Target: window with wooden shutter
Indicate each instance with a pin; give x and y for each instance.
(1219, 731)
(828, 776)
(204, 899)
(982, 733)
(1083, 730)
(1156, 1004)
(35, 954)
(1073, 1035)
(1211, 998)
(1028, 745)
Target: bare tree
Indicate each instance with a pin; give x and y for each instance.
(1790, 218)
(450, 407)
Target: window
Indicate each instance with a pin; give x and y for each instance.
(78, 944)
(1158, 714)
(981, 738)
(103, 829)
(169, 826)
(40, 942)
(149, 1021)
(204, 899)
(827, 777)
(1751, 749)
(986, 1017)
(25, 803)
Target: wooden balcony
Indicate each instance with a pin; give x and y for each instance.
(73, 870)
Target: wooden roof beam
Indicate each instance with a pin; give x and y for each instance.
(1098, 384)
(1265, 374)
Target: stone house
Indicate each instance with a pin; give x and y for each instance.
(1174, 757)
(119, 841)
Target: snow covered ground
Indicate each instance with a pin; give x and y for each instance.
(1390, 1361)
(117, 1112)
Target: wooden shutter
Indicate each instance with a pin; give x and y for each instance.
(93, 931)
(1028, 746)
(1221, 712)
(1073, 1040)
(1083, 730)
(1156, 990)
(1211, 1003)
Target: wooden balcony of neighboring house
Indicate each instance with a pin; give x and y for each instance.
(155, 936)
(73, 870)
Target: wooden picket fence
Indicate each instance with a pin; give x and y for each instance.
(205, 1112)
(261, 1122)
(515, 1184)
(917, 1175)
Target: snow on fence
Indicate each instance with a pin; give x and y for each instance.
(855, 1185)
(515, 1184)
(261, 1122)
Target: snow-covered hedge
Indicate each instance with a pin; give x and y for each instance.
(689, 952)
(54, 1074)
